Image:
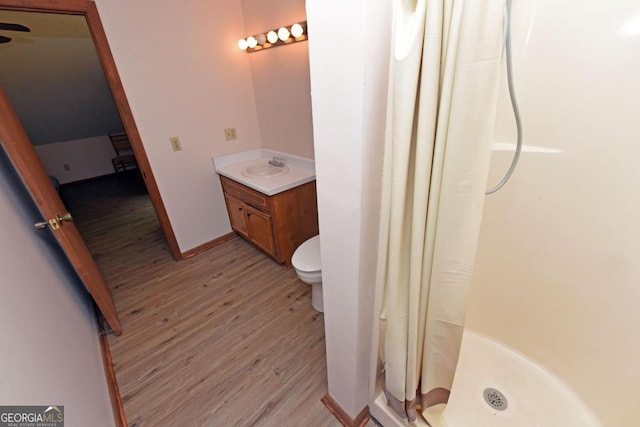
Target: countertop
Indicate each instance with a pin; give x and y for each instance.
(301, 170)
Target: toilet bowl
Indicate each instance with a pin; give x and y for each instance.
(306, 261)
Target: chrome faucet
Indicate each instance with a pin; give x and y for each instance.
(277, 162)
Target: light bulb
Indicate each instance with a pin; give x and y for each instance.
(283, 34)
(296, 30)
(242, 44)
(252, 42)
(272, 36)
(261, 38)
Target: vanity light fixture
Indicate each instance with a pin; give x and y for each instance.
(277, 37)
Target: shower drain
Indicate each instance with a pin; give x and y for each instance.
(495, 399)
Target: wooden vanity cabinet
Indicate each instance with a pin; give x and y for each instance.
(276, 224)
(251, 224)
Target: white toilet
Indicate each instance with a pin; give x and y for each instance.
(306, 261)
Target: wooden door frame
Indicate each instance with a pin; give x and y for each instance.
(89, 10)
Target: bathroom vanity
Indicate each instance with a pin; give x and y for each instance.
(275, 212)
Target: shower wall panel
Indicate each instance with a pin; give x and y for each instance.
(558, 269)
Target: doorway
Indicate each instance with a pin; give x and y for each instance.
(88, 11)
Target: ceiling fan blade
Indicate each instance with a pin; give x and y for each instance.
(4, 39)
(7, 26)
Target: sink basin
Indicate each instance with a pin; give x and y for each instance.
(263, 170)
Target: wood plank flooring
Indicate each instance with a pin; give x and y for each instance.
(227, 338)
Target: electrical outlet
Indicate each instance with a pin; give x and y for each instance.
(175, 143)
(66, 166)
(230, 134)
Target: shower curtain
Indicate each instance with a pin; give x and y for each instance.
(443, 86)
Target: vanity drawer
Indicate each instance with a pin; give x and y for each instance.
(246, 194)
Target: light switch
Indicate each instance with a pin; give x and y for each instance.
(175, 143)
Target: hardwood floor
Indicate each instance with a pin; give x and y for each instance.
(227, 338)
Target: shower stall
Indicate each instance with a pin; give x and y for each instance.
(552, 332)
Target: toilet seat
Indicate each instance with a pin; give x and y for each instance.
(307, 257)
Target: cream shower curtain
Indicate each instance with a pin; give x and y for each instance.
(442, 101)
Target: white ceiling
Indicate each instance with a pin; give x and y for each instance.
(46, 24)
(54, 79)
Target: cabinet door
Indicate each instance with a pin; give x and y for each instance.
(261, 230)
(237, 216)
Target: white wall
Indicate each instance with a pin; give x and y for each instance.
(347, 53)
(50, 347)
(281, 79)
(557, 274)
(185, 76)
(87, 158)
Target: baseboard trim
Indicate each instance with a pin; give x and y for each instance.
(85, 180)
(205, 246)
(110, 374)
(342, 416)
